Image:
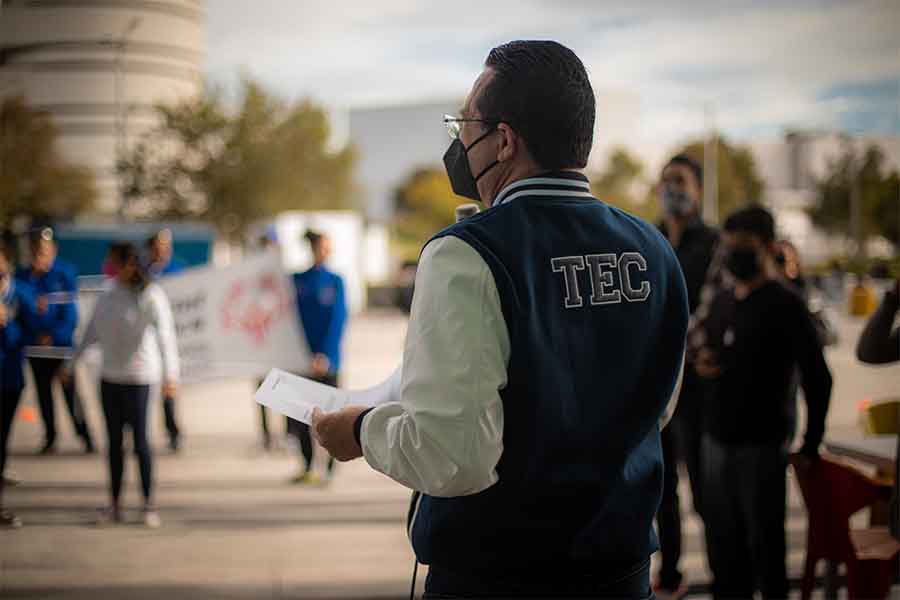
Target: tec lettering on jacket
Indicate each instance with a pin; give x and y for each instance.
(613, 277)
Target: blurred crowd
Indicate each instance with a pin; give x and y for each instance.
(133, 325)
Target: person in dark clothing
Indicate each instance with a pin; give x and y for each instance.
(879, 343)
(323, 315)
(162, 262)
(757, 335)
(51, 327)
(680, 191)
(15, 301)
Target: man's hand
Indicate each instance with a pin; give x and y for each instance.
(42, 305)
(320, 365)
(44, 340)
(4, 315)
(334, 431)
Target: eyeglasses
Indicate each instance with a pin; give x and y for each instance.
(454, 124)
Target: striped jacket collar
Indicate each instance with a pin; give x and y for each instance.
(556, 183)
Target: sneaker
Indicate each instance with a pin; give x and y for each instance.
(89, 446)
(174, 444)
(48, 448)
(307, 478)
(663, 593)
(9, 521)
(107, 517)
(151, 519)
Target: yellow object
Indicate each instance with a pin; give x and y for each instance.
(863, 301)
(883, 417)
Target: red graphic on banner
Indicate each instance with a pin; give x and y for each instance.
(254, 306)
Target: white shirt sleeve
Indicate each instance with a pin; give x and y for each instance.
(165, 333)
(444, 436)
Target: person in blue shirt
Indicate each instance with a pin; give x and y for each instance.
(15, 301)
(323, 314)
(162, 262)
(52, 326)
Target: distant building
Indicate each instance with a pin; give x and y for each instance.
(99, 67)
(792, 166)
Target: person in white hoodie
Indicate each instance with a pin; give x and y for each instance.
(133, 325)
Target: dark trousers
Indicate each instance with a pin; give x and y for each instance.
(9, 402)
(681, 441)
(45, 370)
(264, 421)
(668, 518)
(169, 418)
(744, 512)
(301, 430)
(442, 583)
(125, 404)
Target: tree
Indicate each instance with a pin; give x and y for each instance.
(266, 157)
(35, 181)
(879, 196)
(621, 184)
(738, 181)
(425, 204)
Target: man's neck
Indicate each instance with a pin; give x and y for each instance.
(675, 227)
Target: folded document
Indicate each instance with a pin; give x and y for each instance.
(297, 396)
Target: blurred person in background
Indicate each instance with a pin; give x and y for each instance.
(267, 243)
(757, 335)
(879, 343)
(162, 262)
(51, 326)
(133, 325)
(790, 268)
(16, 300)
(323, 314)
(680, 192)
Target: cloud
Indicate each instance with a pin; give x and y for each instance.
(759, 66)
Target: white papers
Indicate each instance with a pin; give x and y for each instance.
(297, 396)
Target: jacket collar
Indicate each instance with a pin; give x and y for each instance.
(555, 183)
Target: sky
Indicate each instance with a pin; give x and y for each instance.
(754, 69)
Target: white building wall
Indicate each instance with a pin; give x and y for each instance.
(61, 56)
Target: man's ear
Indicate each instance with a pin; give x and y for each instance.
(509, 143)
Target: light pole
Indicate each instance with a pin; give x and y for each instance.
(121, 111)
(711, 168)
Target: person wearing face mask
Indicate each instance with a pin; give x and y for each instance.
(133, 325)
(680, 191)
(16, 301)
(544, 348)
(757, 335)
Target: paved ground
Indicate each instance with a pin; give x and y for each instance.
(233, 527)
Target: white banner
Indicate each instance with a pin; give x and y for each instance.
(236, 321)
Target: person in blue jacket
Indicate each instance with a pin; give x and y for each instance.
(323, 314)
(15, 301)
(162, 262)
(52, 326)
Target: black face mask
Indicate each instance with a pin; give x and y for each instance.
(457, 164)
(743, 264)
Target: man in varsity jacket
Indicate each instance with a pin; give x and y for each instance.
(545, 343)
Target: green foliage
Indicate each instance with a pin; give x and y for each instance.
(234, 167)
(738, 181)
(35, 181)
(622, 184)
(879, 195)
(425, 204)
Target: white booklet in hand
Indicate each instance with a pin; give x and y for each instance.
(297, 396)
